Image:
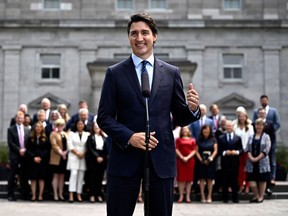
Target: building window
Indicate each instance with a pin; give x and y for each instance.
(124, 4)
(158, 4)
(51, 4)
(233, 66)
(50, 66)
(232, 4)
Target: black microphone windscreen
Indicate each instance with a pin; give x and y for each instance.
(145, 85)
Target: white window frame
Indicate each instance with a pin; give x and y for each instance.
(232, 9)
(232, 66)
(50, 66)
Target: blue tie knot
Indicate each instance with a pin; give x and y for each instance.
(144, 63)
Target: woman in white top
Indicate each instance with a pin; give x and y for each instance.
(76, 159)
(243, 129)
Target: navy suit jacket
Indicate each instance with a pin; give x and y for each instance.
(272, 116)
(122, 113)
(223, 145)
(196, 128)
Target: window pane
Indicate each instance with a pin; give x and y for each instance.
(237, 73)
(52, 4)
(232, 4)
(125, 4)
(233, 59)
(55, 73)
(45, 73)
(158, 4)
(227, 73)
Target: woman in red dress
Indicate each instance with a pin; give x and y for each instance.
(185, 150)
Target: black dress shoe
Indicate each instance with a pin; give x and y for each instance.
(225, 201)
(269, 191)
(12, 198)
(254, 200)
(235, 201)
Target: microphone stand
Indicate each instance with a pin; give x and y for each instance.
(146, 168)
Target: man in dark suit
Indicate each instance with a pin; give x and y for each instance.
(122, 116)
(230, 147)
(45, 105)
(88, 118)
(272, 115)
(16, 136)
(215, 116)
(196, 126)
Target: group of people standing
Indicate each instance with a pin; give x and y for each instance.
(51, 146)
(234, 156)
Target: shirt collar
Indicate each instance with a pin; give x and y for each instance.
(137, 61)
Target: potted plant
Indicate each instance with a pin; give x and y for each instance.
(4, 162)
(282, 163)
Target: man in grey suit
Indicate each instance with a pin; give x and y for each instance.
(272, 115)
(122, 115)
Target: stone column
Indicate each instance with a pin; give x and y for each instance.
(195, 54)
(11, 80)
(272, 79)
(97, 73)
(272, 74)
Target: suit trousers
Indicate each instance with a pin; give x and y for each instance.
(230, 178)
(76, 181)
(122, 193)
(18, 167)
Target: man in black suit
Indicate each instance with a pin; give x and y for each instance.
(230, 147)
(215, 116)
(16, 136)
(122, 116)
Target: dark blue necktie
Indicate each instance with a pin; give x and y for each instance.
(144, 63)
(145, 86)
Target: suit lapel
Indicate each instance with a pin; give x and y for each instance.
(157, 76)
(130, 73)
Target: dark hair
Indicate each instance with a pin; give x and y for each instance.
(264, 96)
(144, 17)
(75, 129)
(201, 137)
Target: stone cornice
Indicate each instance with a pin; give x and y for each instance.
(208, 23)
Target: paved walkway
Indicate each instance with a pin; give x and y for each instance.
(49, 208)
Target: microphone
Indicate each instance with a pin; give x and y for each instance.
(145, 84)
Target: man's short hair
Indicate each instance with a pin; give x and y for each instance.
(144, 17)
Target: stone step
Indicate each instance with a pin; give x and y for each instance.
(280, 191)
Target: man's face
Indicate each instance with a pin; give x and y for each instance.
(45, 105)
(19, 119)
(83, 116)
(141, 39)
(41, 116)
(264, 102)
(214, 110)
(229, 127)
(262, 114)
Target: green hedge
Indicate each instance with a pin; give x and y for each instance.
(4, 158)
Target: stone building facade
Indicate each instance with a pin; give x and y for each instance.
(232, 50)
